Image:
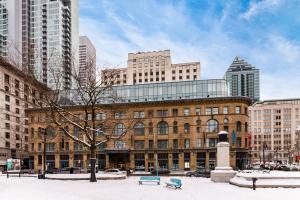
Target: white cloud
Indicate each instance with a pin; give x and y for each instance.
(275, 55)
(260, 6)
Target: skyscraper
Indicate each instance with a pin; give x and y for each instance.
(243, 79)
(45, 34)
(87, 60)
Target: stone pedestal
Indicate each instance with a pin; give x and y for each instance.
(223, 172)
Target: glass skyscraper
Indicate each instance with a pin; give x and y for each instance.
(243, 79)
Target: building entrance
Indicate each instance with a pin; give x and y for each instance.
(119, 161)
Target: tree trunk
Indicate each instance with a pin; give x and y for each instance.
(93, 164)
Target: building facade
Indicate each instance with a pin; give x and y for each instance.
(87, 60)
(273, 125)
(42, 36)
(16, 95)
(154, 67)
(243, 79)
(181, 134)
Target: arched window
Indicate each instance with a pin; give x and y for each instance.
(226, 124)
(186, 128)
(162, 128)
(238, 126)
(150, 128)
(212, 125)
(139, 129)
(175, 127)
(119, 129)
(246, 127)
(226, 121)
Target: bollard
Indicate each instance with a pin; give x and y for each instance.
(254, 181)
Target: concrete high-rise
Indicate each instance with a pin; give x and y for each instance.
(154, 67)
(87, 60)
(45, 34)
(243, 79)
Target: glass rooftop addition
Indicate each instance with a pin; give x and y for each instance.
(157, 92)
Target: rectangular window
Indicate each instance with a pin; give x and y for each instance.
(150, 144)
(7, 116)
(7, 98)
(198, 143)
(162, 113)
(138, 114)
(139, 144)
(119, 115)
(225, 110)
(186, 143)
(208, 111)
(186, 111)
(162, 144)
(238, 109)
(175, 144)
(175, 112)
(198, 111)
(7, 107)
(215, 111)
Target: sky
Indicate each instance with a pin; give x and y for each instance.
(266, 33)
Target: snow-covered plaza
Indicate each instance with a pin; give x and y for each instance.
(32, 188)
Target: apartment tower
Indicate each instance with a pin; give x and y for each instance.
(87, 60)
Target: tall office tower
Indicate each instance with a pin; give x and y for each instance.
(87, 60)
(154, 67)
(243, 79)
(10, 31)
(274, 126)
(45, 35)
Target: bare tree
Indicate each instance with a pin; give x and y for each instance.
(100, 119)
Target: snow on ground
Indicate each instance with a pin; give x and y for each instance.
(28, 188)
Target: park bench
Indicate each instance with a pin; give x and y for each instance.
(154, 179)
(174, 182)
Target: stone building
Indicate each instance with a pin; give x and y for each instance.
(16, 95)
(274, 123)
(154, 67)
(181, 134)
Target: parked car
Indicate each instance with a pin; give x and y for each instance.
(114, 171)
(283, 168)
(161, 171)
(202, 172)
(52, 171)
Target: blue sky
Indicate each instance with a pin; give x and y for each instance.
(266, 33)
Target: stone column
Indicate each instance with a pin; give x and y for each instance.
(170, 161)
(181, 161)
(207, 160)
(71, 159)
(193, 160)
(131, 158)
(57, 160)
(146, 162)
(107, 166)
(85, 161)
